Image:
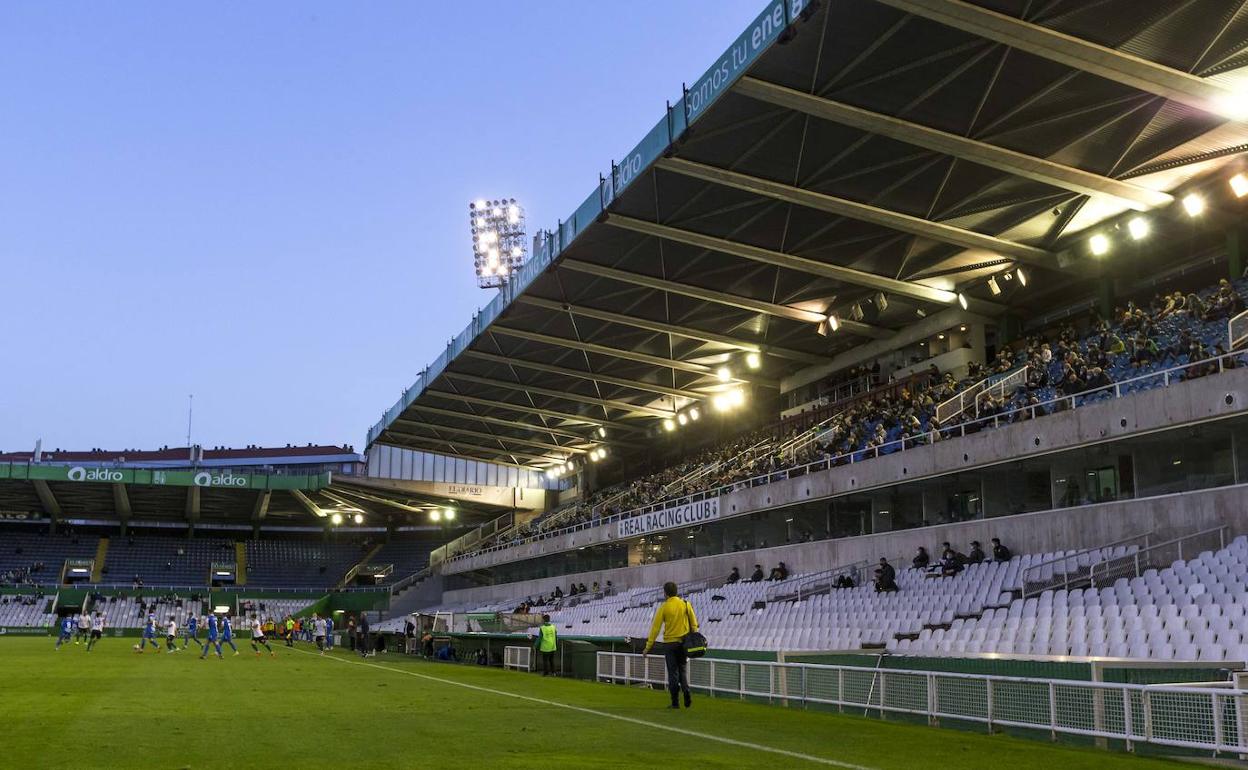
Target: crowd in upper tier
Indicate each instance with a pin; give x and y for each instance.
(1064, 369)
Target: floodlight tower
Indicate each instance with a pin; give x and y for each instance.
(498, 240)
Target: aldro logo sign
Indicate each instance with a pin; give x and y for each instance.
(110, 475)
(227, 479)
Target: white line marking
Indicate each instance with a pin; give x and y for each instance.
(606, 714)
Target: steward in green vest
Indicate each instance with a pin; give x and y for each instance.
(547, 643)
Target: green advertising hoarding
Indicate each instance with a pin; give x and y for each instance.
(208, 478)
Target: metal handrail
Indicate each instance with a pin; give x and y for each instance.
(1139, 562)
(960, 430)
(1069, 577)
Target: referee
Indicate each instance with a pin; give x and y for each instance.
(675, 616)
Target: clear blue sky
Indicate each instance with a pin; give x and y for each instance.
(264, 204)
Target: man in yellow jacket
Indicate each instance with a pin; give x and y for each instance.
(675, 616)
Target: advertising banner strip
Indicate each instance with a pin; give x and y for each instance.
(86, 474)
(687, 515)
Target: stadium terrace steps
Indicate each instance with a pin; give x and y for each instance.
(101, 556)
(240, 564)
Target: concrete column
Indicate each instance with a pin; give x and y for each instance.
(1105, 297)
(1235, 246)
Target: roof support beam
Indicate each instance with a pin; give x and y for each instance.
(553, 414)
(47, 499)
(260, 508)
(627, 355)
(488, 450)
(973, 150)
(192, 503)
(1111, 64)
(493, 436)
(605, 403)
(660, 327)
(789, 261)
(498, 421)
(621, 381)
(718, 297)
(307, 504)
(121, 502)
(863, 212)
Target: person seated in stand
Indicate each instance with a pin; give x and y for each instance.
(999, 551)
(844, 581)
(758, 573)
(921, 558)
(951, 562)
(976, 556)
(885, 577)
(734, 576)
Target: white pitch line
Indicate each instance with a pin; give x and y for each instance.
(608, 715)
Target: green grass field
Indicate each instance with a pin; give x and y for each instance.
(115, 708)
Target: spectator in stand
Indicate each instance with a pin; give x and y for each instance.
(758, 573)
(999, 551)
(733, 577)
(951, 562)
(921, 558)
(976, 556)
(885, 577)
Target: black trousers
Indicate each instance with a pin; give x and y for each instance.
(548, 663)
(677, 670)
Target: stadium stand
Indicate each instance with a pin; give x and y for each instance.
(299, 563)
(28, 558)
(165, 560)
(1052, 371)
(25, 610)
(132, 611)
(1189, 611)
(407, 556)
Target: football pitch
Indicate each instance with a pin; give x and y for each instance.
(115, 708)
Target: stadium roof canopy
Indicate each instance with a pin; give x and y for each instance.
(204, 496)
(876, 155)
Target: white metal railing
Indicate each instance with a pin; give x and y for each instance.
(1160, 378)
(1074, 569)
(1159, 555)
(969, 398)
(798, 588)
(1237, 331)
(1192, 717)
(519, 658)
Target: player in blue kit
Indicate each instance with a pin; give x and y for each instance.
(213, 640)
(149, 635)
(329, 632)
(67, 631)
(190, 632)
(227, 634)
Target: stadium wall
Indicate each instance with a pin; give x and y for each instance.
(1182, 404)
(1066, 528)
